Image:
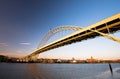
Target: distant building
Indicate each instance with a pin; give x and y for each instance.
(73, 60)
(50, 61)
(59, 60)
(91, 60)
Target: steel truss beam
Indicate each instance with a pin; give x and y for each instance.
(109, 36)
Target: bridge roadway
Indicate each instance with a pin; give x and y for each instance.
(106, 26)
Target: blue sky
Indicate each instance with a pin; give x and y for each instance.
(23, 23)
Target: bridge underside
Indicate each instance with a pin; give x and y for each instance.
(107, 26)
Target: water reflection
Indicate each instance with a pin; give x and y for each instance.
(69, 71)
(36, 72)
(58, 71)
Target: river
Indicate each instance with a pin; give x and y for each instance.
(58, 71)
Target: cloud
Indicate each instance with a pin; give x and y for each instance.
(3, 44)
(25, 43)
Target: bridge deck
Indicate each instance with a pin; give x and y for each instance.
(111, 24)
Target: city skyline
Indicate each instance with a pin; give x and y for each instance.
(24, 23)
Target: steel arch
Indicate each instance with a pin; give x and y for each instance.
(52, 32)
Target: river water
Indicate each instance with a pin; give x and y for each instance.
(58, 71)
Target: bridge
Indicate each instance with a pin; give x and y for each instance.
(102, 28)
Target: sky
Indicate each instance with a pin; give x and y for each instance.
(23, 23)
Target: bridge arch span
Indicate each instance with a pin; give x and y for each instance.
(52, 32)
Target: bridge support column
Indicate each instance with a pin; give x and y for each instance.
(108, 29)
